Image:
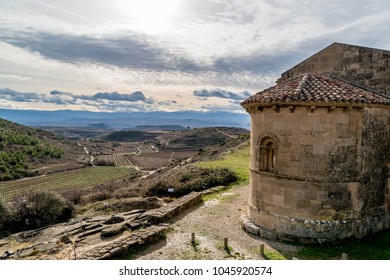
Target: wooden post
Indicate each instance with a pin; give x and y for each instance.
(344, 256)
(262, 249)
(193, 238)
(225, 243)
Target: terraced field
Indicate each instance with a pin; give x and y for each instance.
(79, 178)
(116, 160)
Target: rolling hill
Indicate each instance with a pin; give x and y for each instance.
(23, 149)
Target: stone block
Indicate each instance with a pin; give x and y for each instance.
(292, 126)
(279, 125)
(315, 204)
(290, 202)
(318, 127)
(301, 118)
(114, 219)
(318, 150)
(305, 126)
(298, 194)
(303, 204)
(268, 125)
(314, 118)
(113, 230)
(340, 119)
(268, 198)
(322, 195)
(303, 141)
(278, 200)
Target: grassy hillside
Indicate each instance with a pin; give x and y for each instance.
(23, 148)
(204, 137)
(237, 160)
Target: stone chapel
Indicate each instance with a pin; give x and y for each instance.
(320, 149)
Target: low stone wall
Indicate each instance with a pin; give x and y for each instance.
(124, 245)
(170, 210)
(311, 231)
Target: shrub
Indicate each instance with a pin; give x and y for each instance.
(160, 189)
(37, 209)
(184, 177)
(98, 196)
(74, 196)
(101, 162)
(202, 179)
(4, 214)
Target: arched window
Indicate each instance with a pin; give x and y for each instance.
(268, 152)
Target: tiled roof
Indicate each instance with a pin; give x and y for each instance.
(319, 89)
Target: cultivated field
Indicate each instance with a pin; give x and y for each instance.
(116, 160)
(75, 179)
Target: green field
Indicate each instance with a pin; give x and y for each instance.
(374, 247)
(79, 178)
(238, 161)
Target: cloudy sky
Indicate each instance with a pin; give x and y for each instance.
(151, 55)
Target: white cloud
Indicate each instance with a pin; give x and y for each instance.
(220, 93)
(14, 77)
(78, 46)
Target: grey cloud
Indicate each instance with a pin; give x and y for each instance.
(135, 96)
(137, 52)
(219, 108)
(113, 96)
(116, 107)
(255, 63)
(220, 93)
(11, 95)
(236, 102)
(107, 100)
(167, 102)
(133, 51)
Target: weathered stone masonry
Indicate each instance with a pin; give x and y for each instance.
(319, 167)
(366, 66)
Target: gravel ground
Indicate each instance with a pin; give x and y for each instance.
(217, 218)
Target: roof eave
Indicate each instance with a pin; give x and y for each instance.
(312, 103)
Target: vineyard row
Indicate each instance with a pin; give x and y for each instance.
(80, 178)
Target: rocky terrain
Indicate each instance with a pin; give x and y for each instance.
(100, 237)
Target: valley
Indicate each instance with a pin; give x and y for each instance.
(110, 167)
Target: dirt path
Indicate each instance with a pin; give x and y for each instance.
(217, 218)
(228, 135)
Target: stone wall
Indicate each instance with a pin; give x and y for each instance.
(374, 177)
(315, 231)
(366, 66)
(330, 179)
(314, 143)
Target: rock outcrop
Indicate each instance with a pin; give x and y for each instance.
(103, 237)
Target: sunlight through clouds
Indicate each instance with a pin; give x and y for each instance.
(149, 16)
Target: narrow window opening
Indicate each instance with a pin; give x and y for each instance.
(268, 155)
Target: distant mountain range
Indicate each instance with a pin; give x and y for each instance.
(119, 120)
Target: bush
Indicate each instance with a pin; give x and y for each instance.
(101, 162)
(97, 196)
(4, 214)
(160, 189)
(202, 179)
(37, 209)
(74, 196)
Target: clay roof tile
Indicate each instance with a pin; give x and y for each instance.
(318, 88)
